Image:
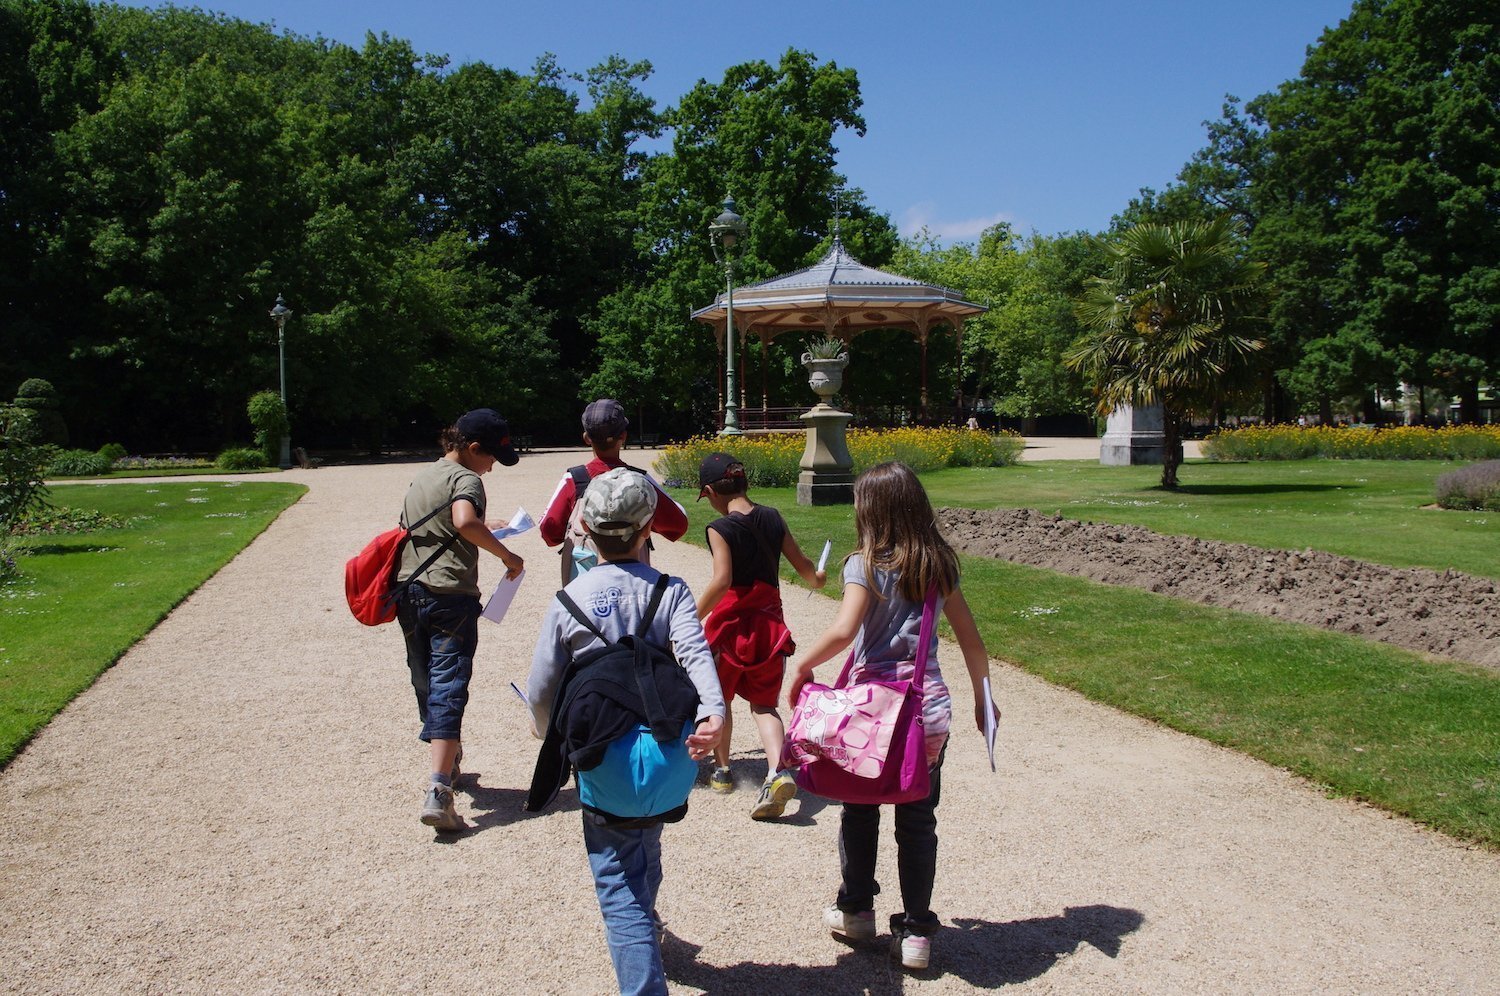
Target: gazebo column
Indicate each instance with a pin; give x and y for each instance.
(958, 337)
(740, 343)
(922, 332)
(765, 360)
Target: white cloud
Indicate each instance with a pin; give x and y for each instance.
(922, 215)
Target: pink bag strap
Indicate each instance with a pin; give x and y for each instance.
(924, 641)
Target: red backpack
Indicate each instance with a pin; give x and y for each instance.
(370, 584)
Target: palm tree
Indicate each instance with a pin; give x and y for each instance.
(1167, 324)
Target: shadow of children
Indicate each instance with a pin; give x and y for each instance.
(988, 955)
(865, 969)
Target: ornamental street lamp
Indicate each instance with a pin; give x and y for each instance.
(279, 315)
(723, 232)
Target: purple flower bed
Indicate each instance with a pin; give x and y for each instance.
(1476, 486)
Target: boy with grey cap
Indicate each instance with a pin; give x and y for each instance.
(617, 510)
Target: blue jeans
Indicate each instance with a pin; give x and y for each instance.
(442, 633)
(627, 874)
(916, 857)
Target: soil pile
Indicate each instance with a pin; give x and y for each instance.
(1446, 613)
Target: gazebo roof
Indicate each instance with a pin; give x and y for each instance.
(839, 295)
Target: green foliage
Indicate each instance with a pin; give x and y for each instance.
(56, 520)
(1285, 442)
(89, 598)
(77, 463)
(1013, 353)
(35, 417)
(1368, 186)
(269, 418)
(23, 471)
(826, 348)
(243, 458)
(1167, 324)
(113, 452)
(764, 134)
(1474, 487)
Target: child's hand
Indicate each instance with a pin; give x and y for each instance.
(979, 713)
(514, 565)
(820, 578)
(800, 677)
(705, 737)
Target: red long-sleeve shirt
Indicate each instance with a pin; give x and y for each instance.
(670, 520)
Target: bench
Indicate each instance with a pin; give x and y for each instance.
(647, 440)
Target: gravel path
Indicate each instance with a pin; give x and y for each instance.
(233, 808)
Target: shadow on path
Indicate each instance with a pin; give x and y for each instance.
(983, 954)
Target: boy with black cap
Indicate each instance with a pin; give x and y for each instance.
(439, 610)
(741, 613)
(605, 430)
(625, 856)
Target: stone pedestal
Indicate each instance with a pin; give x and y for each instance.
(827, 476)
(1133, 436)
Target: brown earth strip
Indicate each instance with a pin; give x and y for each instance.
(1446, 613)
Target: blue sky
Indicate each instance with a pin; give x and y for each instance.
(1049, 115)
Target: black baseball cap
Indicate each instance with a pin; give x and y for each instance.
(717, 467)
(485, 427)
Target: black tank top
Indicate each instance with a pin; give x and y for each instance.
(754, 541)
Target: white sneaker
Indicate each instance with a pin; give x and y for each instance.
(855, 926)
(914, 950)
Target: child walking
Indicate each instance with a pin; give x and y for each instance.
(741, 613)
(617, 595)
(901, 555)
(439, 610)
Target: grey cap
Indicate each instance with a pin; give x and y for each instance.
(604, 419)
(619, 502)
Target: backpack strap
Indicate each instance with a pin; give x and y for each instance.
(399, 588)
(580, 475)
(656, 595)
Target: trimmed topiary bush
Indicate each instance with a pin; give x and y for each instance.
(241, 458)
(113, 452)
(37, 420)
(269, 417)
(1476, 487)
(78, 463)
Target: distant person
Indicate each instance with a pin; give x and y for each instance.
(439, 610)
(614, 598)
(973, 424)
(741, 613)
(901, 556)
(605, 430)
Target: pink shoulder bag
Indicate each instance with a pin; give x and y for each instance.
(864, 743)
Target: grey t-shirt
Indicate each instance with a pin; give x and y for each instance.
(456, 572)
(892, 623)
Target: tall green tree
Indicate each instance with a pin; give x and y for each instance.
(766, 135)
(1168, 323)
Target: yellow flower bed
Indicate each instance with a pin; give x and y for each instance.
(772, 460)
(1411, 442)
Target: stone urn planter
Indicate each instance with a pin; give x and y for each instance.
(825, 375)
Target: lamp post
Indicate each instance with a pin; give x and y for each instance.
(724, 231)
(279, 315)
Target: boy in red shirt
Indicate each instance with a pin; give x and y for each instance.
(605, 430)
(741, 613)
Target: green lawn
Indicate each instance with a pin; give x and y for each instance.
(83, 600)
(1365, 720)
(1367, 509)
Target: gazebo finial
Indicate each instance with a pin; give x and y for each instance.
(837, 214)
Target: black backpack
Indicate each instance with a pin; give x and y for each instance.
(606, 695)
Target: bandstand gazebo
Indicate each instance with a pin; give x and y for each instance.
(840, 297)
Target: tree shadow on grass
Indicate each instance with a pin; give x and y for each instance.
(984, 955)
(1261, 489)
(53, 549)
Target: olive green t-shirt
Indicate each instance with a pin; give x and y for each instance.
(456, 572)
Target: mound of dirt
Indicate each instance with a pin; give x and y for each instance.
(1446, 613)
